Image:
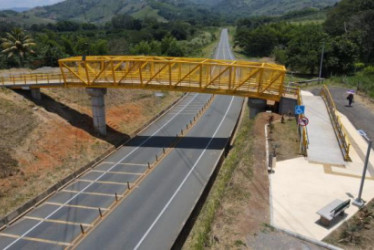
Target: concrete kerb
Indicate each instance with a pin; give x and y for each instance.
(238, 123)
(13, 216)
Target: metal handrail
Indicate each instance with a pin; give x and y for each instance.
(339, 129)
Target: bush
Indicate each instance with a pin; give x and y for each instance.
(369, 70)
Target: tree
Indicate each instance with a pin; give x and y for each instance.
(355, 19)
(261, 41)
(341, 57)
(17, 43)
(49, 51)
(304, 48)
(146, 48)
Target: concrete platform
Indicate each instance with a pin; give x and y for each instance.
(323, 145)
(300, 188)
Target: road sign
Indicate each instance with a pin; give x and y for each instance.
(303, 121)
(299, 109)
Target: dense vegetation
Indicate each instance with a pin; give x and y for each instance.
(122, 35)
(347, 36)
(179, 28)
(202, 11)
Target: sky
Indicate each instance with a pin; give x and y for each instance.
(8, 4)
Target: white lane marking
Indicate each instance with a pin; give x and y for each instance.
(184, 180)
(73, 197)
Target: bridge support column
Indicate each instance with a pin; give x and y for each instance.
(256, 106)
(98, 108)
(35, 94)
(287, 106)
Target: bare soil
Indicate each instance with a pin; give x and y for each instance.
(283, 137)
(245, 207)
(43, 142)
(357, 232)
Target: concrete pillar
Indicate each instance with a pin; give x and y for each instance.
(98, 108)
(35, 94)
(256, 106)
(287, 105)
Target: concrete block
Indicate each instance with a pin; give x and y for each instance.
(287, 106)
(256, 106)
(35, 94)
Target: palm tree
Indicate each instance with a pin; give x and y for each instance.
(17, 43)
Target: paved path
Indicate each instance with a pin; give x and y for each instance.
(323, 145)
(300, 188)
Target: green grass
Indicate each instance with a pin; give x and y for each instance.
(208, 50)
(199, 235)
(361, 81)
(148, 12)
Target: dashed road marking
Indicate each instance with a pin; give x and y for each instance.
(117, 172)
(15, 236)
(57, 221)
(89, 193)
(74, 206)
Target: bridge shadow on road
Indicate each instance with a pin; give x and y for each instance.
(186, 142)
(76, 118)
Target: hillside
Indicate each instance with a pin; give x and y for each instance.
(268, 7)
(100, 11)
(264, 7)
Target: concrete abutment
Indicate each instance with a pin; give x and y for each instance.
(287, 106)
(256, 106)
(35, 94)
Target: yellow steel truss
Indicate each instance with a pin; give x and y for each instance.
(241, 78)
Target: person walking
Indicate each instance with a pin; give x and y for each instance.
(350, 99)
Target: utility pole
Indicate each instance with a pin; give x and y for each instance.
(321, 62)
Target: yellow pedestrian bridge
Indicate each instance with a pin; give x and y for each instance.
(240, 78)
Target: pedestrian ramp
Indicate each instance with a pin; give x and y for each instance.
(323, 144)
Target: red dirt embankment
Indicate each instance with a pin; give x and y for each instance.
(43, 142)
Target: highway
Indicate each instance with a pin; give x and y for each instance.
(162, 193)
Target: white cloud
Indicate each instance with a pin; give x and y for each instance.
(7, 4)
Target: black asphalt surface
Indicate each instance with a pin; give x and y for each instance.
(153, 214)
(360, 115)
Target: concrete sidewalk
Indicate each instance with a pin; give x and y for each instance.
(323, 145)
(300, 188)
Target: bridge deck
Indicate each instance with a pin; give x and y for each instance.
(228, 77)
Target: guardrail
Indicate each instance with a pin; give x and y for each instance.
(306, 82)
(340, 132)
(303, 132)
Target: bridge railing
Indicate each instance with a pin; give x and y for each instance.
(36, 79)
(339, 129)
(241, 78)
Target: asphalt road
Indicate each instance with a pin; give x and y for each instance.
(153, 214)
(360, 115)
